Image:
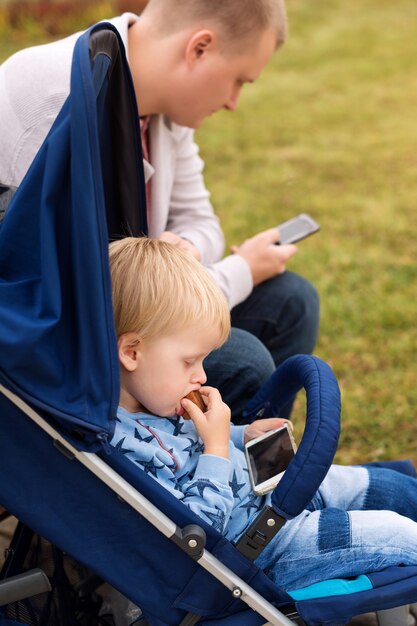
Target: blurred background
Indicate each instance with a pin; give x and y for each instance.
(328, 129)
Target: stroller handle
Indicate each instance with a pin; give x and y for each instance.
(318, 445)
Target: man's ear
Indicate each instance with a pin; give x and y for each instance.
(198, 45)
(128, 348)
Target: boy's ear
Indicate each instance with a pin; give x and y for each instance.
(128, 348)
(198, 45)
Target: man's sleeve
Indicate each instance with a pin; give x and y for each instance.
(192, 217)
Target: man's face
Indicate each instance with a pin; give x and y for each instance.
(215, 80)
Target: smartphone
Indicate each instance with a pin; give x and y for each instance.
(297, 228)
(267, 457)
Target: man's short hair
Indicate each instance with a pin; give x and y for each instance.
(238, 20)
(158, 289)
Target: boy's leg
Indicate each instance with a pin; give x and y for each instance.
(367, 488)
(340, 536)
(283, 313)
(238, 369)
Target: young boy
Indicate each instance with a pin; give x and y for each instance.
(188, 59)
(169, 315)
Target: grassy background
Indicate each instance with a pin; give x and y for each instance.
(330, 129)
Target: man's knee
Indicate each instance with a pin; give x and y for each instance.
(242, 363)
(300, 295)
(253, 362)
(297, 310)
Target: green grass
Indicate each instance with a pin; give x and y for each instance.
(22, 26)
(330, 129)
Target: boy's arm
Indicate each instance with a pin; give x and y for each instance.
(208, 493)
(244, 433)
(237, 434)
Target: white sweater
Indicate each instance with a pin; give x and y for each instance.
(34, 84)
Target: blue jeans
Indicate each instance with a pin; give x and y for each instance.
(238, 369)
(361, 520)
(280, 318)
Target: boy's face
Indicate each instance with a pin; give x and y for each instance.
(213, 80)
(164, 370)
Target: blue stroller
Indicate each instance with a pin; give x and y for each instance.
(59, 385)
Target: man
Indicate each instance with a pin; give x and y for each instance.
(189, 59)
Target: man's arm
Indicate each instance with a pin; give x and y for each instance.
(34, 84)
(191, 217)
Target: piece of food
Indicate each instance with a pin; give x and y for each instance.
(197, 398)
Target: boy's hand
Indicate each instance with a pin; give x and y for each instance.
(259, 427)
(213, 426)
(179, 242)
(264, 258)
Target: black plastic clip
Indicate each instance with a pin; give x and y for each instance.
(191, 539)
(260, 532)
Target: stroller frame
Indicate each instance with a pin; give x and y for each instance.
(185, 538)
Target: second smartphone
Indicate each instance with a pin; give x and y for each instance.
(297, 228)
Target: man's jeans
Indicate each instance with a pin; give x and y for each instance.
(280, 318)
(361, 520)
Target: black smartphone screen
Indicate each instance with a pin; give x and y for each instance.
(270, 456)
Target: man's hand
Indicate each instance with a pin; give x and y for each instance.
(265, 259)
(181, 243)
(259, 427)
(213, 425)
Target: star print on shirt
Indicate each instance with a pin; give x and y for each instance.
(191, 447)
(149, 467)
(175, 483)
(173, 462)
(217, 519)
(119, 447)
(183, 478)
(250, 504)
(235, 486)
(178, 426)
(203, 483)
(139, 437)
(199, 447)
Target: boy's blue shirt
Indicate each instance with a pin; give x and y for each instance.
(170, 450)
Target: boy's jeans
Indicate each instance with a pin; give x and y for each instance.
(361, 520)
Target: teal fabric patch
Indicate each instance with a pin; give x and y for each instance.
(334, 587)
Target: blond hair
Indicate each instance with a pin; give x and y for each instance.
(238, 20)
(158, 289)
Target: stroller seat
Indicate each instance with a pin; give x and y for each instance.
(59, 388)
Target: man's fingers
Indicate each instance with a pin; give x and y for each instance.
(286, 251)
(271, 235)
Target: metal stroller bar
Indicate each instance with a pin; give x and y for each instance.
(238, 587)
(23, 586)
